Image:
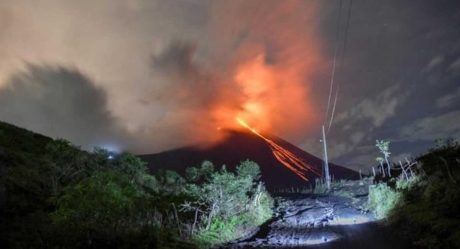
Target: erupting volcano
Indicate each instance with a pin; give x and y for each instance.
(264, 99)
(282, 164)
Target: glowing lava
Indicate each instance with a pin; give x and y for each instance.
(285, 157)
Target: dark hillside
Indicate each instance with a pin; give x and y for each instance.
(20, 146)
(55, 195)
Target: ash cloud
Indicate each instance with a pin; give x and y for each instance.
(62, 103)
(184, 84)
(110, 42)
(164, 67)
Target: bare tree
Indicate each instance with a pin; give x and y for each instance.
(384, 147)
(403, 170)
(380, 161)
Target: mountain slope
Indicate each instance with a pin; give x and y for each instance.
(240, 146)
(19, 146)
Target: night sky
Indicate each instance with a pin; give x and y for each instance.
(141, 75)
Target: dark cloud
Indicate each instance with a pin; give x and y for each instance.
(183, 83)
(429, 128)
(177, 58)
(398, 75)
(62, 103)
(448, 100)
(111, 41)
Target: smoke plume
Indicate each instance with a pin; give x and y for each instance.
(158, 74)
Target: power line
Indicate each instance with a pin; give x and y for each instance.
(333, 107)
(341, 59)
(347, 26)
(326, 164)
(336, 47)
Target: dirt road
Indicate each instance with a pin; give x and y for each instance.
(322, 222)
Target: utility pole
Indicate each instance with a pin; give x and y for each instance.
(326, 164)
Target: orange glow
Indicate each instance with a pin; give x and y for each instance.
(273, 98)
(285, 157)
(268, 81)
(268, 77)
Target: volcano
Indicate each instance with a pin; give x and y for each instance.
(238, 146)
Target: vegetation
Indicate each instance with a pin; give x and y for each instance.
(54, 195)
(425, 206)
(383, 199)
(384, 148)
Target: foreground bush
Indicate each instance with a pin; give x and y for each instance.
(427, 207)
(383, 200)
(431, 213)
(226, 205)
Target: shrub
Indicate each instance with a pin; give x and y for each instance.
(231, 203)
(104, 205)
(403, 184)
(248, 169)
(383, 199)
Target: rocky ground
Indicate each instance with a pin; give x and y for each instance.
(335, 220)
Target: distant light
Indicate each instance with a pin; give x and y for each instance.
(112, 148)
(110, 157)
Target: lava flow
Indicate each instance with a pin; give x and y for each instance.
(285, 157)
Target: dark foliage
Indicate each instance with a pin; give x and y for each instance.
(430, 208)
(54, 195)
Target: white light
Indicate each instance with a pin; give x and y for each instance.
(319, 241)
(320, 238)
(111, 147)
(307, 238)
(350, 220)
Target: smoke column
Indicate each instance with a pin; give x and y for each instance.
(173, 72)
